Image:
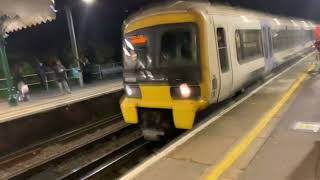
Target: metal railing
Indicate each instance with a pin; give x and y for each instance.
(100, 71)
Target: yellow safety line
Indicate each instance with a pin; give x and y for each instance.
(238, 149)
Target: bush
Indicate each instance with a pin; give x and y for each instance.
(99, 53)
(1, 71)
(3, 95)
(66, 56)
(27, 68)
(104, 54)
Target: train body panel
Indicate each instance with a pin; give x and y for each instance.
(241, 73)
(184, 56)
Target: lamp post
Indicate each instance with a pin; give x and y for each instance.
(73, 37)
(74, 43)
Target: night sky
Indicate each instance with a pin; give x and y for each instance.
(100, 25)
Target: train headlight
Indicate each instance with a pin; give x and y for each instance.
(184, 91)
(132, 91)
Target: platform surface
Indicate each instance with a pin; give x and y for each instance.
(292, 151)
(228, 145)
(48, 100)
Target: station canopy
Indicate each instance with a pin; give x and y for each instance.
(21, 14)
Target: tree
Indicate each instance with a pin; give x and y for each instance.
(100, 53)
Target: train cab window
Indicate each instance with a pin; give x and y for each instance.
(176, 48)
(223, 50)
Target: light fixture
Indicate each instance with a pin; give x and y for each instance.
(277, 21)
(305, 24)
(311, 24)
(53, 8)
(88, 1)
(244, 18)
(294, 23)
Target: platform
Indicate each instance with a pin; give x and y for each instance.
(292, 151)
(47, 100)
(259, 136)
(50, 114)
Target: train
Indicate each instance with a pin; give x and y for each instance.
(181, 57)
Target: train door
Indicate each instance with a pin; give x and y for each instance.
(226, 74)
(267, 46)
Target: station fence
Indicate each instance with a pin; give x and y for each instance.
(100, 72)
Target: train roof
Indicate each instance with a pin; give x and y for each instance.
(218, 9)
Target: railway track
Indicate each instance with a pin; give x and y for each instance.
(85, 152)
(22, 153)
(38, 157)
(110, 161)
(84, 160)
(107, 157)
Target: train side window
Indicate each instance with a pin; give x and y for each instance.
(249, 45)
(276, 40)
(311, 35)
(223, 50)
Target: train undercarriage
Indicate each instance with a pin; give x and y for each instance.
(156, 124)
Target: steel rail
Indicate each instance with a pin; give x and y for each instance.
(25, 172)
(68, 134)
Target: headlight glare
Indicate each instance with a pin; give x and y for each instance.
(185, 91)
(133, 91)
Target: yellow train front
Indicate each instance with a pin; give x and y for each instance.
(182, 56)
(163, 72)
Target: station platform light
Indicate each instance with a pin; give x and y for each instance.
(88, 1)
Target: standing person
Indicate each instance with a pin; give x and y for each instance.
(59, 71)
(41, 71)
(86, 69)
(316, 36)
(18, 77)
(22, 87)
(23, 91)
(317, 46)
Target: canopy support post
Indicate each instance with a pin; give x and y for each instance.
(74, 43)
(12, 95)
